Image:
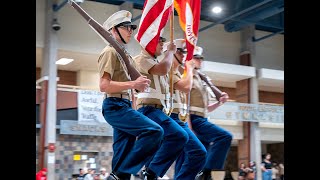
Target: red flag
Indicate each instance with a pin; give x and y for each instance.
(154, 17)
(189, 18)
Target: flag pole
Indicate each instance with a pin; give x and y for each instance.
(171, 24)
(171, 70)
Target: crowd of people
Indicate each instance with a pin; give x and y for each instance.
(91, 174)
(270, 170)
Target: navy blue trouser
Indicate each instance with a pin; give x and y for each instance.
(135, 137)
(193, 157)
(175, 137)
(216, 140)
(267, 175)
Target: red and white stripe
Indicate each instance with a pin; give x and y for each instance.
(154, 17)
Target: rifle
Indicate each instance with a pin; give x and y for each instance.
(105, 35)
(217, 92)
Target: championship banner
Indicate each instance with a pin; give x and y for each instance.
(90, 107)
(249, 112)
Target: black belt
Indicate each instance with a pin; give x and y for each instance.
(123, 96)
(152, 105)
(196, 113)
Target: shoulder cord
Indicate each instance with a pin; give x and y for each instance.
(164, 101)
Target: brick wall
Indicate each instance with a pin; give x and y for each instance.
(264, 96)
(231, 92)
(67, 145)
(65, 77)
(65, 99)
(271, 97)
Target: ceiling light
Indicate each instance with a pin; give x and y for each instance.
(64, 61)
(216, 9)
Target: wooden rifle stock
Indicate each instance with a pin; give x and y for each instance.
(217, 92)
(134, 73)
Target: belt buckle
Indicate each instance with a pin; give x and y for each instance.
(156, 106)
(194, 113)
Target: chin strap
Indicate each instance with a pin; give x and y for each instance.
(120, 35)
(177, 59)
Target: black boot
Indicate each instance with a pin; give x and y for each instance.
(204, 175)
(113, 177)
(148, 175)
(207, 176)
(118, 176)
(199, 176)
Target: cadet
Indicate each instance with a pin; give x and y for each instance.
(154, 104)
(135, 137)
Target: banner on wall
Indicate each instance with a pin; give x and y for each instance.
(249, 112)
(90, 107)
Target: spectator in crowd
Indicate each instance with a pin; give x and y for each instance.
(103, 174)
(90, 175)
(242, 172)
(266, 166)
(42, 174)
(82, 173)
(253, 167)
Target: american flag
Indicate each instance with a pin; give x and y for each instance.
(154, 17)
(189, 19)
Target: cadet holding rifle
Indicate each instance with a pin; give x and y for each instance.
(216, 139)
(194, 150)
(135, 137)
(154, 104)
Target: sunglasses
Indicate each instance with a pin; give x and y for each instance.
(128, 27)
(162, 39)
(199, 58)
(182, 51)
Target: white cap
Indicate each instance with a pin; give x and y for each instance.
(180, 44)
(103, 169)
(117, 18)
(197, 52)
(85, 169)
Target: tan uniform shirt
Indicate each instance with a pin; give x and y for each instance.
(111, 62)
(199, 98)
(144, 62)
(181, 95)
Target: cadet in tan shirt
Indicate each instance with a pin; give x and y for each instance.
(153, 102)
(193, 157)
(135, 137)
(216, 139)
